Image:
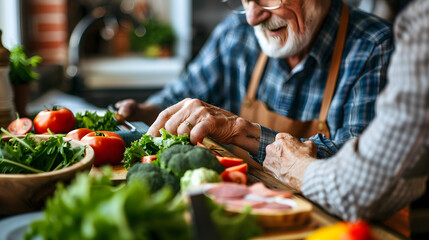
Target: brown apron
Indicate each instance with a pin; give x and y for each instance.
(256, 111)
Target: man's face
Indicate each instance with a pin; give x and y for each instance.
(288, 30)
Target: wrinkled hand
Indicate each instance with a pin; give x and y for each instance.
(287, 159)
(204, 120)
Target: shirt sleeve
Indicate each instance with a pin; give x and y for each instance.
(386, 168)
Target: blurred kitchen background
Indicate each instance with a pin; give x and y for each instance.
(96, 52)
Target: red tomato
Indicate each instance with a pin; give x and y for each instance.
(359, 230)
(234, 176)
(109, 147)
(58, 120)
(78, 134)
(239, 168)
(20, 126)
(229, 161)
(148, 159)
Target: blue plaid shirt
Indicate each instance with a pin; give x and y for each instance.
(221, 73)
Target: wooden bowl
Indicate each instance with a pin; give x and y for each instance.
(20, 193)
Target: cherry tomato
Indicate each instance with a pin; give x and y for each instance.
(234, 176)
(230, 161)
(20, 126)
(109, 147)
(78, 134)
(58, 120)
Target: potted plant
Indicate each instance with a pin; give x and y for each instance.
(21, 74)
(157, 40)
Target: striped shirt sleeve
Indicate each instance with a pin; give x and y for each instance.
(386, 168)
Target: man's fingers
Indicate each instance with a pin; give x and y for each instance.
(199, 132)
(286, 137)
(163, 117)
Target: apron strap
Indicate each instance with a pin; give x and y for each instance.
(256, 77)
(335, 63)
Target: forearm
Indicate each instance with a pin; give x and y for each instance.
(248, 135)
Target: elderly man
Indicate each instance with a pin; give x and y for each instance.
(387, 167)
(312, 68)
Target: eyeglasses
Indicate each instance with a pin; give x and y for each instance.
(240, 7)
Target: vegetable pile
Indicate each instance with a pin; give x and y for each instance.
(92, 208)
(62, 120)
(24, 155)
(148, 145)
(173, 163)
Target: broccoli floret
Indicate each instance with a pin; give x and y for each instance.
(178, 165)
(198, 176)
(171, 180)
(203, 157)
(179, 158)
(147, 172)
(172, 151)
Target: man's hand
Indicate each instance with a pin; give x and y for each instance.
(287, 159)
(200, 119)
(127, 108)
(131, 110)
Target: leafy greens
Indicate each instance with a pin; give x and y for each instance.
(24, 155)
(148, 145)
(95, 122)
(21, 67)
(92, 208)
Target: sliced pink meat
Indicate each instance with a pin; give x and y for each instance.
(228, 190)
(273, 206)
(260, 190)
(240, 203)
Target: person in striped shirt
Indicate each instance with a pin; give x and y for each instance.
(387, 167)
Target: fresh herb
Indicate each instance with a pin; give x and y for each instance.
(148, 145)
(92, 208)
(24, 155)
(95, 122)
(21, 67)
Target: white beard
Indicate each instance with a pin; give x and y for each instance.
(292, 43)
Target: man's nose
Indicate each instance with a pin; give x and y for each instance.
(255, 14)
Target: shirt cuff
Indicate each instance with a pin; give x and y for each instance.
(325, 146)
(268, 136)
